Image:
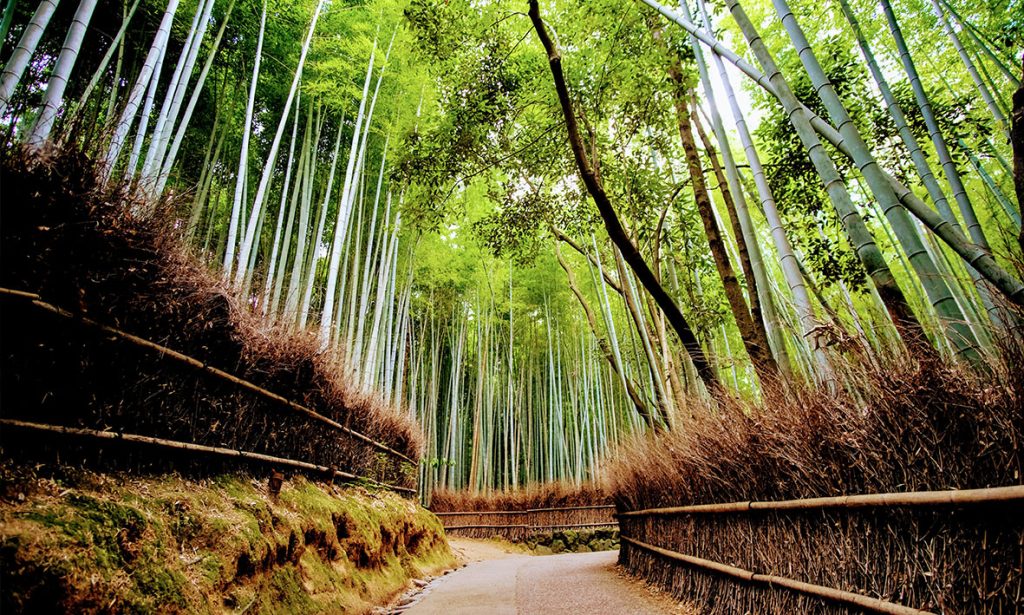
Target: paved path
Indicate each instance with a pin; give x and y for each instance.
(524, 585)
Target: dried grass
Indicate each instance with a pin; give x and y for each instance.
(81, 246)
(515, 515)
(545, 495)
(922, 427)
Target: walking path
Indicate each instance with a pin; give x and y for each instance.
(527, 584)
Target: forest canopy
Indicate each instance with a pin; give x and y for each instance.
(541, 227)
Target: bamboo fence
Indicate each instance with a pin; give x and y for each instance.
(517, 525)
(245, 456)
(678, 524)
(867, 603)
(955, 497)
(36, 301)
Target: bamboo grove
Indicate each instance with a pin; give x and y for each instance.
(544, 227)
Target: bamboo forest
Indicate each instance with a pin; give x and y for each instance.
(566, 272)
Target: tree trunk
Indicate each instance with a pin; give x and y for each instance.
(344, 213)
(983, 90)
(602, 343)
(262, 190)
(753, 290)
(859, 236)
(101, 70)
(939, 294)
(610, 217)
(754, 341)
(972, 254)
(5, 24)
(172, 154)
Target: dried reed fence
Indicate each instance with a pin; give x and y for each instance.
(241, 383)
(736, 515)
(518, 525)
(644, 530)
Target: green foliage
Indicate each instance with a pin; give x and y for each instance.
(814, 227)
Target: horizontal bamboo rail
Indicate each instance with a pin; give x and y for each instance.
(867, 603)
(198, 448)
(956, 497)
(519, 512)
(531, 527)
(594, 507)
(201, 366)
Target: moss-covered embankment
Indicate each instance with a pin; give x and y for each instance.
(120, 543)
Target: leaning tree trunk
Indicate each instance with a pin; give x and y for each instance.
(939, 294)
(938, 140)
(787, 259)
(611, 218)
(755, 287)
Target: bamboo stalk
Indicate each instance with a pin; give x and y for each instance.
(198, 448)
(183, 358)
(957, 497)
(867, 603)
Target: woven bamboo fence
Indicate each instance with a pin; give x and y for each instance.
(897, 553)
(337, 455)
(518, 525)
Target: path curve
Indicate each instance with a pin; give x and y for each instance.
(524, 585)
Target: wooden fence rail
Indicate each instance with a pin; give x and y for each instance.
(197, 448)
(955, 497)
(522, 512)
(867, 603)
(564, 526)
(36, 301)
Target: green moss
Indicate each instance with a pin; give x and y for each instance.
(167, 544)
(161, 588)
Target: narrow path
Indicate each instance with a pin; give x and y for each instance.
(526, 584)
